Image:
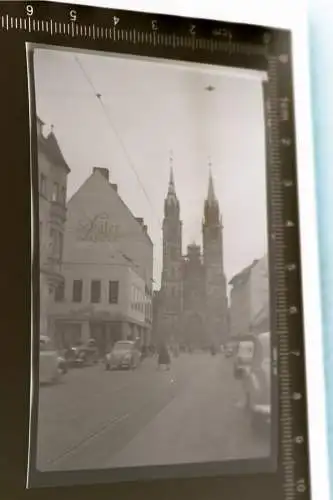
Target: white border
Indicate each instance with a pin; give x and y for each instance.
(291, 15)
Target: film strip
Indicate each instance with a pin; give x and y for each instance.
(237, 46)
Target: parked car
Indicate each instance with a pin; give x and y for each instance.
(83, 354)
(124, 354)
(243, 357)
(257, 382)
(62, 363)
(228, 351)
(51, 365)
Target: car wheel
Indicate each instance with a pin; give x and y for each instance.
(107, 367)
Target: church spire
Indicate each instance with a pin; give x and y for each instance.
(211, 209)
(171, 205)
(211, 193)
(171, 189)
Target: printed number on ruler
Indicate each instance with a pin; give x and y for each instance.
(72, 13)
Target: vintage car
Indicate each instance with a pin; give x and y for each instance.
(228, 352)
(243, 356)
(257, 383)
(82, 354)
(51, 364)
(124, 354)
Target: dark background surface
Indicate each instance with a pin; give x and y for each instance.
(17, 274)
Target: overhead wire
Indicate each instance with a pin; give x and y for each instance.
(120, 140)
(117, 134)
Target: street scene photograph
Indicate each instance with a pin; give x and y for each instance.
(154, 318)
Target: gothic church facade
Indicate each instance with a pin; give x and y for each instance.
(192, 302)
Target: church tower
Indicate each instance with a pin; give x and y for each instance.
(171, 283)
(215, 280)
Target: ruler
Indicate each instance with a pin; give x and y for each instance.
(232, 45)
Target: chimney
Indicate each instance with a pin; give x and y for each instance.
(145, 229)
(139, 220)
(115, 187)
(102, 171)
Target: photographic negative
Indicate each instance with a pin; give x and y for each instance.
(154, 292)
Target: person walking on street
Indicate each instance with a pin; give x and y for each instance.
(164, 357)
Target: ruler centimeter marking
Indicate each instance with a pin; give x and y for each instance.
(95, 32)
(282, 311)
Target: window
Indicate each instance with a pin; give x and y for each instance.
(59, 294)
(113, 292)
(55, 192)
(77, 290)
(42, 186)
(135, 298)
(132, 296)
(56, 243)
(63, 195)
(61, 245)
(53, 241)
(95, 291)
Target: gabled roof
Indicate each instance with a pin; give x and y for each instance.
(54, 151)
(110, 186)
(50, 147)
(242, 277)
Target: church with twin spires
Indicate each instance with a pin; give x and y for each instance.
(192, 306)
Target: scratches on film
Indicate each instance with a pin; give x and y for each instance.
(105, 427)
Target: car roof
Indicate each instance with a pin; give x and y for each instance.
(264, 335)
(124, 342)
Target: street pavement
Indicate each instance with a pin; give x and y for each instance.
(99, 419)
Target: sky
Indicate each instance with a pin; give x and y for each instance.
(153, 109)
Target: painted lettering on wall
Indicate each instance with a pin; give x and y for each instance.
(98, 229)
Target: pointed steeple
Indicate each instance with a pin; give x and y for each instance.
(171, 205)
(171, 188)
(211, 209)
(211, 193)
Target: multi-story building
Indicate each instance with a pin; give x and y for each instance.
(108, 266)
(192, 302)
(249, 299)
(53, 171)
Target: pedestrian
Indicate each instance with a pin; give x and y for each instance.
(212, 350)
(164, 357)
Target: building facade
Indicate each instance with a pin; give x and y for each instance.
(249, 300)
(107, 265)
(53, 171)
(192, 302)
